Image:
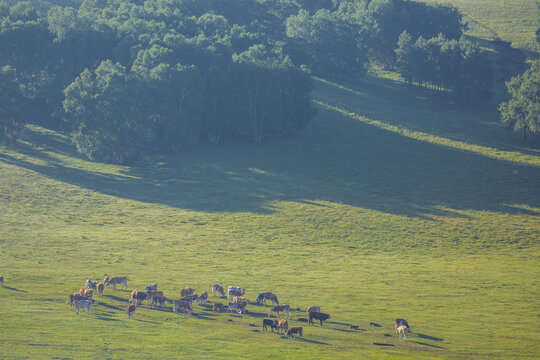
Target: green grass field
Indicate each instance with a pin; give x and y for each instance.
(381, 208)
(511, 20)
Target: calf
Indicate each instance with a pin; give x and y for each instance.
(100, 288)
(186, 292)
(219, 289)
(1, 280)
(181, 305)
(279, 308)
(402, 331)
(283, 325)
(150, 287)
(203, 298)
(217, 307)
(122, 280)
(83, 304)
(91, 284)
(401, 322)
(318, 316)
(131, 311)
(294, 330)
(269, 322)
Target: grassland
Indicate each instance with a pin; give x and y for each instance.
(510, 20)
(381, 208)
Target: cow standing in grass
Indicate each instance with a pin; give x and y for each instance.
(278, 308)
(218, 288)
(100, 287)
(84, 304)
(122, 280)
(318, 316)
(267, 295)
(402, 331)
(294, 330)
(131, 311)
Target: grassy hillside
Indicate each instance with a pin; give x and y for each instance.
(511, 20)
(380, 209)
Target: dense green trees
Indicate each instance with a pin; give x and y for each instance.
(522, 111)
(11, 101)
(125, 78)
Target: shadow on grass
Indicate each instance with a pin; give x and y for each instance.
(109, 306)
(427, 337)
(13, 289)
(147, 321)
(117, 298)
(105, 318)
(202, 317)
(309, 341)
(335, 159)
(426, 344)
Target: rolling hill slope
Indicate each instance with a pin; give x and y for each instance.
(380, 209)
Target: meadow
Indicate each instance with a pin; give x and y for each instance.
(381, 208)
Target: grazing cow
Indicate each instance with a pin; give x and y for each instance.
(182, 305)
(294, 330)
(278, 308)
(158, 299)
(1, 280)
(269, 322)
(402, 322)
(91, 284)
(75, 297)
(235, 291)
(150, 287)
(283, 325)
(203, 298)
(238, 307)
(190, 298)
(318, 316)
(217, 307)
(83, 304)
(267, 295)
(122, 280)
(131, 311)
(137, 297)
(219, 289)
(186, 292)
(313, 308)
(151, 293)
(402, 331)
(100, 288)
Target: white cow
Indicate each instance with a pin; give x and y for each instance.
(83, 304)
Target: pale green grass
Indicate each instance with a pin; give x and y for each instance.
(511, 20)
(367, 222)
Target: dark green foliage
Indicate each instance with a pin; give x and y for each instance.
(460, 67)
(11, 101)
(522, 111)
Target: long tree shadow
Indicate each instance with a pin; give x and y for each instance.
(335, 159)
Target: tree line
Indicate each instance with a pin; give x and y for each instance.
(130, 77)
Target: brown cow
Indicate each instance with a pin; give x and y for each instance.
(186, 292)
(218, 307)
(131, 311)
(100, 288)
(182, 305)
(279, 308)
(283, 325)
(75, 297)
(158, 299)
(139, 296)
(122, 280)
(294, 330)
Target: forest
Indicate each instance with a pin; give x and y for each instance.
(127, 78)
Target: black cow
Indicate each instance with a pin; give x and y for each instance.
(269, 322)
(402, 322)
(318, 316)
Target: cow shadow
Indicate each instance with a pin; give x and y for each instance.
(106, 318)
(309, 341)
(13, 289)
(202, 317)
(258, 314)
(117, 298)
(427, 337)
(147, 321)
(109, 306)
(426, 344)
(162, 309)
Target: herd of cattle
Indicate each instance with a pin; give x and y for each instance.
(83, 299)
